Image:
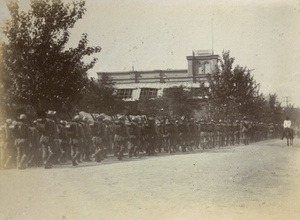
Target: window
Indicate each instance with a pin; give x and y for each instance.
(148, 93)
(124, 93)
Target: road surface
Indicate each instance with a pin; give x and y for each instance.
(258, 181)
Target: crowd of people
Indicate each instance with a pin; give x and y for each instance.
(49, 141)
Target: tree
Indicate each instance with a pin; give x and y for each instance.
(99, 97)
(37, 68)
(232, 91)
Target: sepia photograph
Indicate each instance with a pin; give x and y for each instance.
(149, 109)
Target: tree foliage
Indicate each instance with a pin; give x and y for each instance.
(233, 90)
(37, 69)
(100, 97)
(174, 103)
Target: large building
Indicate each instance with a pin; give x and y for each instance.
(134, 85)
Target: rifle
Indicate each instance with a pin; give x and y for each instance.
(93, 116)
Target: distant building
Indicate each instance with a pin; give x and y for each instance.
(133, 85)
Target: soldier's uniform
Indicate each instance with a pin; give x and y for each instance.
(184, 134)
(87, 140)
(75, 132)
(170, 135)
(271, 131)
(219, 133)
(245, 126)
(34, 149)
(8, 150)
(149, 134)
(63, 140)
(160, 130)
(211, 133)
(121, 137)
(3, 147)
(203, 129)
(135, 137)
(109, 139)
(99, 133)
(22, 136)
(231, 133)
(194, 134)
(48, 131)
(236, 127)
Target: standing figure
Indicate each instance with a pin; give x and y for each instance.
(245, 126)
(134, 130)
(22, 139)
(75, 133)
(48, 131)
(63, 140)
(8, 150)
(286, 128)
(121, 137)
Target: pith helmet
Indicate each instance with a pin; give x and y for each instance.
(23, 117)
(51, 113)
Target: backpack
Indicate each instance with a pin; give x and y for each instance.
(19, 131)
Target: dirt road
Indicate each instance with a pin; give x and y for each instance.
(259, 181)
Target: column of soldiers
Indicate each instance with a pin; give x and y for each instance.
(49, 141)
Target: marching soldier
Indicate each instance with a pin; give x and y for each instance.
(76, 134)
(98, 131)
(109, 139)
(34, 147)
(236, 128)
(203, 133)
(8, 151)
(170, 135)
(48, 131)
(63, 140)
(211, 133)
(135, 137)
(245, 126)
(22, 136)
(194, 134)
(184, 134)
(150, 135)
(87, 139)
(160, 128)
(121, 137)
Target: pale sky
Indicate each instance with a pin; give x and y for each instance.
(262, 35)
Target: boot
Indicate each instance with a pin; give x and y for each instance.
(22, 163)
(8, 161)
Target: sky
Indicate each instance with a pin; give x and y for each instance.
(263, 36)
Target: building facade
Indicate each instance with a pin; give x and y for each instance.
(134, 85)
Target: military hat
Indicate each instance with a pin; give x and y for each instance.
(85, 118)
(63, 122)
(135, 119)
(91, 123)
(51, 113)
(101, 116)
(107, 120)
(76, 118)
(8, 121)
(23, 117)
(122, 118)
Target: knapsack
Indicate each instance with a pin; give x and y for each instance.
(19, 131)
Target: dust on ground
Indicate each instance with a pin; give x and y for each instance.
(258, 181)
